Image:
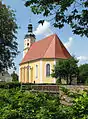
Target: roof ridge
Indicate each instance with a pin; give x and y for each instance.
(63, 48)
(48, 47)
(55, 44)
(45, 38)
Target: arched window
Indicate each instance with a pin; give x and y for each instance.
(27, 44)
(36, 71)
(48, 70)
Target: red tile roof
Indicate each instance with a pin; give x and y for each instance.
(49, 47)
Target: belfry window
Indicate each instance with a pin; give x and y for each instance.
(27, 44)
(48, 70)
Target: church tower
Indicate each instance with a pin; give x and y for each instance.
(28, 39)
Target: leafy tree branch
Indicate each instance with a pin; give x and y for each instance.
(71, 12)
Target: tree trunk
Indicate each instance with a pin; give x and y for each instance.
(67, 79)
(70, 80)
(77, 79)
(60, 79)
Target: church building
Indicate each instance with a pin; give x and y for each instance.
(39, 58)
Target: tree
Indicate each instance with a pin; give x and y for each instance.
(14, 76)
(61, 12)
(67, 69)
(83, 73)
(8, 43)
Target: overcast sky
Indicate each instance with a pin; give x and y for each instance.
(76, 45)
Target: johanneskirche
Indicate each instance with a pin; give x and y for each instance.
(39, 58)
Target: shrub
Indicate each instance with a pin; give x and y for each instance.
(9, 85)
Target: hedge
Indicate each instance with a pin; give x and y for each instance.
(9, 85)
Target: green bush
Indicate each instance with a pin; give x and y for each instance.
(80, 106)
(15, 77)
(17, 104)
(9, 85)
(86, 81)
(3, 85)
(58, 81)
(83, 73)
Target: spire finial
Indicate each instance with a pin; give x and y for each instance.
(30, 20)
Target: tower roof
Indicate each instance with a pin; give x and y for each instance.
(49, 47)
(30, 28)
(30, 31)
